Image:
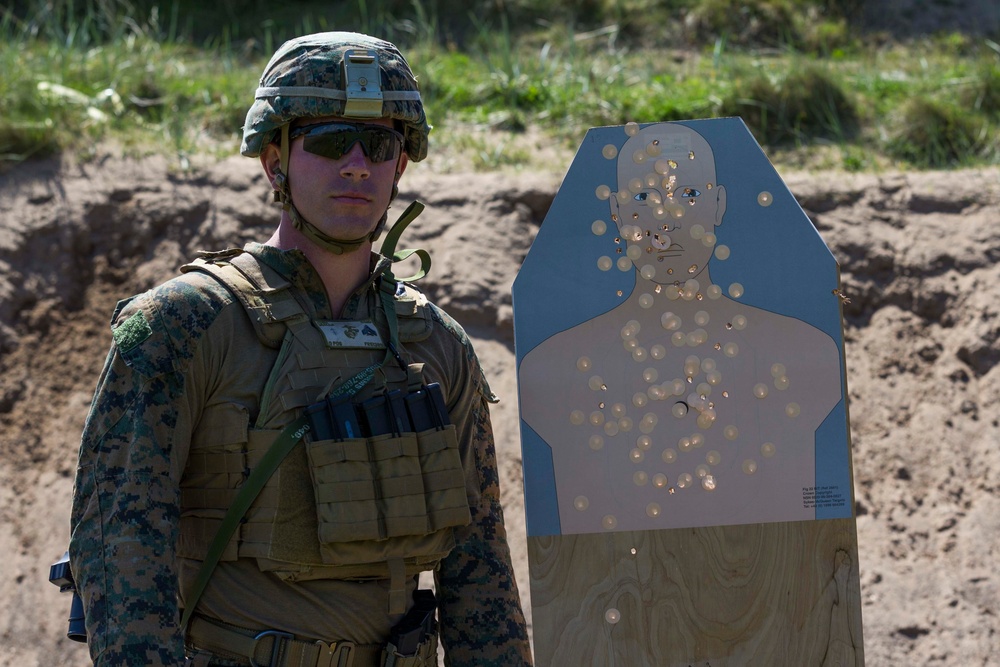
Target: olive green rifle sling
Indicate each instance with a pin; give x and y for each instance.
(292, 434)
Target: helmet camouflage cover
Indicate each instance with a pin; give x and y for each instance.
(307, 78)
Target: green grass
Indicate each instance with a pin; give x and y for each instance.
(149, 77)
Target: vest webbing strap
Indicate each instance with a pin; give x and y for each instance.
(392, 238)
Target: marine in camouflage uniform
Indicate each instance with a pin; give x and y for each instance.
(182, 387)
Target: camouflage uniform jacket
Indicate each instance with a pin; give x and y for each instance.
(186, 349)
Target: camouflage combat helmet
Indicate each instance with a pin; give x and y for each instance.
(305, 79)
(333, 74)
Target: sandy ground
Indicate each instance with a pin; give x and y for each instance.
(918, 254)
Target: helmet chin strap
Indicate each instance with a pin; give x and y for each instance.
(283, 194)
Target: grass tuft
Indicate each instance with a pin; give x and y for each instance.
(805, 103)
(768, 23)
(932, 134)
(984, 93)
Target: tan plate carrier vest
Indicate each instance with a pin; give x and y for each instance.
(382, 507)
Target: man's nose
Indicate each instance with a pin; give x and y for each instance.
(356, 164)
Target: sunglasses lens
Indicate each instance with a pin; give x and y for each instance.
(379, 143)
(332, 144)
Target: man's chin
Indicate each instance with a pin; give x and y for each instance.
(346, 228)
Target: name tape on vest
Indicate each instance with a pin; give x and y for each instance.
(351, 335)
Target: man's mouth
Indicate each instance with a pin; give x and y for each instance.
(673, 248)
(351, 198)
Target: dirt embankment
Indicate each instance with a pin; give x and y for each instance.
(919, 256)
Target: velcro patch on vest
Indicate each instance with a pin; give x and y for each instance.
(350, 335)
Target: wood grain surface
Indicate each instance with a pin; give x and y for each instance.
(775, 594)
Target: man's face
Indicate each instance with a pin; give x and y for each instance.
(347, 196)
(668, 203)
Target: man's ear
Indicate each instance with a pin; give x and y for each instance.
(404, 160)
(721, 211)
(270, 159)
(613, 203)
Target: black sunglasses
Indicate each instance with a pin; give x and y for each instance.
(334, 140)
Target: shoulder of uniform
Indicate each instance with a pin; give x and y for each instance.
(416, 321)
(157, 331)
(262, 291)
(417, 314)
(424, 315)
(448, 323)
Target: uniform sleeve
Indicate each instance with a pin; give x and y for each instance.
(125, 513)
(482, 623)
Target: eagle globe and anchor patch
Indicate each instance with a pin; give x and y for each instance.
(350, 334)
